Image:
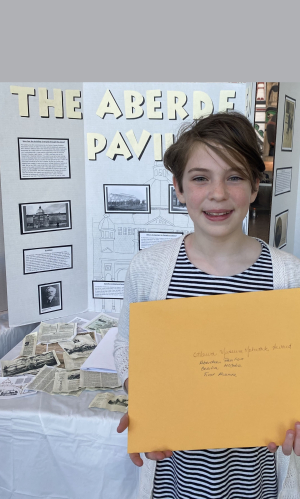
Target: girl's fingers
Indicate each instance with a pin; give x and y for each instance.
(297, 439)
(136, 459)
(158, 455)
(272, 447)
(288, 443)
(123, 423)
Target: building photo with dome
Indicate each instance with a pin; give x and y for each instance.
(45, 216)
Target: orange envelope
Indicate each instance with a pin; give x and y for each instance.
(214, 371)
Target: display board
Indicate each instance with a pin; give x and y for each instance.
(285, 213)
(84, 187)
(43, 198)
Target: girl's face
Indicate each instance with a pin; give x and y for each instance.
(217, 197)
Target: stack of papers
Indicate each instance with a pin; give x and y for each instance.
(102, 359)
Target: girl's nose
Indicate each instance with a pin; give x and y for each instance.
(218, 191)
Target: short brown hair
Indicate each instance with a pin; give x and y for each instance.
(231, 132)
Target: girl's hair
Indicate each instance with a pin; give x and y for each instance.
(230, 135)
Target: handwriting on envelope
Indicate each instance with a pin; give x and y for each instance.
(228, 361)
(214, 371)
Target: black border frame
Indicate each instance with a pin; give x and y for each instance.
(105, 297)
(294, 100)
(48, 247)
(287, 225)
(128, 211)
(61, 300)
(41, 231)
(43, 178)
(284, 168)
(155, 232)
(169, 203)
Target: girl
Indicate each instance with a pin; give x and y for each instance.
(217, 167)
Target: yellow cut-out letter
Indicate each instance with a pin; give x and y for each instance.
(96, 142)
(118, 147)
(176, 100)
(223, 102)
(200, 97)
(56, 102)
(71, 105)
(108, 105)
(23, 93)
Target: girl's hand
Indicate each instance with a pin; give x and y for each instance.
(135, 456)
(291, 442)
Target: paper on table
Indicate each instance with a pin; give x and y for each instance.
(214, 371)
(102, 359)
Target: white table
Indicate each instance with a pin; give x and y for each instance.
(55, 447)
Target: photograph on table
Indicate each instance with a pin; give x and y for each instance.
(174, 204)
(50, 297)
(126, 198)
(280, 229)
(43, 158)
(288, 124)
(45, 216)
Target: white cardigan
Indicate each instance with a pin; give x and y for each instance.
(148, 278)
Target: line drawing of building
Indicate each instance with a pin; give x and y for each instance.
(115, 236)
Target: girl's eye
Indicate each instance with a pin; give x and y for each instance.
(235, 178)
(199, 179)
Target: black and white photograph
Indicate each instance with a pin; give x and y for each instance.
(283, 180)
(26, 364)
(147, 239)
(80, 347)
(102, 321)
(41, 158)
(119, 401)
(126, 198)
(288, 124)
(45, 217)
(174, 204)
(47, 259)
(280, 229)
(50, 297)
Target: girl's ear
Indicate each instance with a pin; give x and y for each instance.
(180, 195)
(254, 194)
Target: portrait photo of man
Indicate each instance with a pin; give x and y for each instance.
(50, 297)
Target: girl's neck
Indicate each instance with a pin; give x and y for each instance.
(218, 248)
(220, 256)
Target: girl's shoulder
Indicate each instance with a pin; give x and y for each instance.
(157, 254)
(286, 268)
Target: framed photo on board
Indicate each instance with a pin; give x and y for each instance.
(280, 229)
(174, 204)
(45, 217)
(127, 198)
(50, 298)
(288, 124)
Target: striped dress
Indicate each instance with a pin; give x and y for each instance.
(218, 473)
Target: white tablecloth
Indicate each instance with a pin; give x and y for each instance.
(55, 447)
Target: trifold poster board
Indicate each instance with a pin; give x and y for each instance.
(84, 187)
(206, 373)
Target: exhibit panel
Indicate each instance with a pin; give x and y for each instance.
(128, 127)
(284, 221)
(43, 195)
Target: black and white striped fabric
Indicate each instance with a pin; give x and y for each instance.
(218, 473)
